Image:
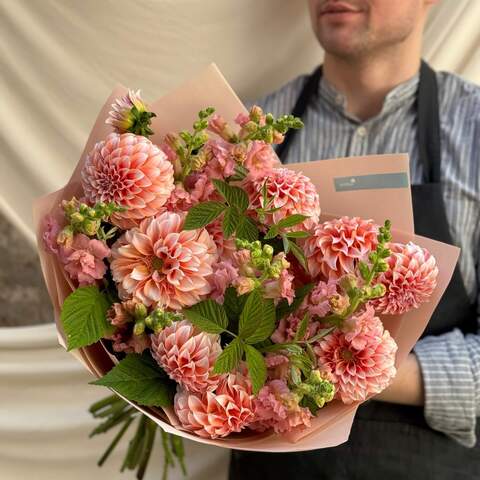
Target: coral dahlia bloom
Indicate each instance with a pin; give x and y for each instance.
(292, 191)
(187, 355)
(410, 280)
(336, 245)
(131, 171)
(218, 414)
(159, 264)
(361, 362)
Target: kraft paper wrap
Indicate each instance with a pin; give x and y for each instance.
(176, 111)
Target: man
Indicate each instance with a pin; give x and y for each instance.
(373, 95)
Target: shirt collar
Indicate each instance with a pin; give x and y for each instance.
(398, 96)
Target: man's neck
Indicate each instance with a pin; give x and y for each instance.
(366, 81)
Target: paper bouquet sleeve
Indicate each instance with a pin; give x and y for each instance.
(374, 187)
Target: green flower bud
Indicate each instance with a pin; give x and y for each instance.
(77, 217)
(140, 311)
(139, 327)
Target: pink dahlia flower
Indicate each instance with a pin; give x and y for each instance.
(276, 407)
(83, 259)
(260, 160)
(291, 191)
(131, 171)
(336, 245)
(410, 280)
(159, 264)
(187, 355)
(359, 372)
(218, 414)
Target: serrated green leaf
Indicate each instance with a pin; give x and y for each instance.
(291, 220)
(233, 303)
(284, 309)
(84, 317)
(256, 368)
(247, 230)
(208, 316)
(240, 173)
(322, 333)
(257, 320)
(229, 359)
(234, 196)
(272, 232)
(278, 347)
(299, 254)
(300, 234)
(230, 222)
(141, 380)
(202, 214)
(302, 328)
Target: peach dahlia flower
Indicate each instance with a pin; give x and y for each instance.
(160, 264)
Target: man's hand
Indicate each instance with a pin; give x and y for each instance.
(407, 386)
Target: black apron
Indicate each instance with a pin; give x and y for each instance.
(387, 440)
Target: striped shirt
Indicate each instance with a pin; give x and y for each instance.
(450, 362)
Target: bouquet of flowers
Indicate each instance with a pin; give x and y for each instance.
(201, 268)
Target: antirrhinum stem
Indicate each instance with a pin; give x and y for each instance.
(115, 441)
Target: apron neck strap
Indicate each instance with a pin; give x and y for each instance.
(428, 130)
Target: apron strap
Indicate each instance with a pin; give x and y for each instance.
(428, 131)
(428, 124)
(306, 94)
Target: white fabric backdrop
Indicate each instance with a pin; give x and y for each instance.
(59, 59)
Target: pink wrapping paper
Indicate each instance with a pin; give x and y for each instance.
(177, 110)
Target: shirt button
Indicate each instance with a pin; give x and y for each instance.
(361, 132)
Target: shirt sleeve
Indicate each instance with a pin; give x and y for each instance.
(450, 365)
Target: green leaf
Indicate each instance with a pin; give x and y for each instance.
(257, 320)
(208, 316)
(141, 380)
(84, 317)
(240, 173)
(272, 232)
(229, 359)
(364, 270)
(233, 303)
(286, 244)
(291, 220)
(202, 214)
(284, 309)
(231, 220)
(247, 230)
(278, 347)
(302, 328)
(321, 334)
(256, 368)
(235, 196)
(299, 254)
(300, 234)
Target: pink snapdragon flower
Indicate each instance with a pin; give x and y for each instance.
(260, 160)
(51, 229)
(224, 274)
(281, 287)
(276, 407)
(83, 259)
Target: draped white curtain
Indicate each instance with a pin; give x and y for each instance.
(59, 59)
